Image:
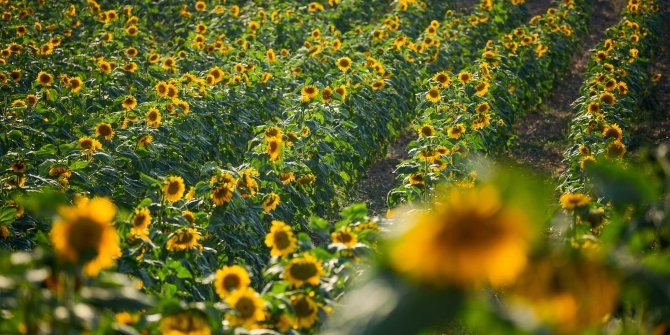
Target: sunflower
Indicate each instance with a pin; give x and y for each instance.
(344, 63)
(145, 140)
(168, 63)
(433, 95)
(270, 56)
(280, 239)
(607, 98)
(442, 78)
(469, 237)
(89, 145)
(327, 94)
(153, 117)
(141, 219)
(272, 132)
(426, 131)
(185, 323)
(456, 131)
(610, 85)
(171, 91)
(274, 149)
(221, 195)
(612, 131)
(230, 279)
(342, 91)
(574, 200)
(104, 130)
(286, 177)
(189, 216)
(31, 100)
(306, 311)
(75, 84)
(184, 239)
(345, 237)
(84, 234)
(569, 295)
(615, 150)
(306, 179)
(129, 102)
(464, 77)
(594, 108)
(481, 88)
(416, 178)
(248, 307)
(44, 78)
(19, 167)
(483, 108)
(304, 270)
(623, 88)
(309, 92)
(154, 58)
(378, 84)
(173, 188)
(60, 171)
(271, 202)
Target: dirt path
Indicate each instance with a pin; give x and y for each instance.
(542, 134)
(379, 180)
(654, 126)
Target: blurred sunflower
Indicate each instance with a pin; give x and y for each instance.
(84, 234)
(153, 117)
(281, 239)
(173, 188)
(141, 219)
(89, 145)
(426, 131)
(129, 102)
(75, 84)
(221, 195)
(104, 130)
(272, 132)
(185, 323)
(230, 279)
(305, 309)
(344, 63)
(615, 150)
(274, 149)
(456, 131)
(464, 77)
(271, 202)
(184, 239)
(345, 237)
(574, 200)
(248, 307)
(44, 78)
(433, 95)
(309, 92)
(469, 237)
(303, 270)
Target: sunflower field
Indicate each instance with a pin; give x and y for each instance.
(187, 167)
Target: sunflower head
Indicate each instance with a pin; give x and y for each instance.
(184, 239)
(344, 63)
(129, 102)
(83, 234)
(173, 188)
(464, 77)
(44, 78)
(281, 239)
(426, 131)
(104, 130)
(345, 237)
(309, 92)
(230, 279)
(188, 322)
(271, 202)
(305, 309)
(456, 131)
(141, 218)
(89, 145)
(433, 95)
(574, 200)
(248, 307)
(304, 270)
(274, 149)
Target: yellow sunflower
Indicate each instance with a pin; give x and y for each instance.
(574, 200)
(345, 237)
(272, 132)
(304, 270)
(104, 130)
(306, 311)
(286, 177)
(221, 195)
(271, 202)
(230, 279)
(185, 323)
(248, 307)
(84, 234)
(274, 149)
(615, 150)
(153, 117)
(613, 131)
(483, 108)
(416, 178)
(281, 239)
(270, 56)
(426, 131)
(456, 131)
(433, 95)
(173, 188)
(442, 78)
(344, 63)
(464, 77)
(89, 145)
(44, 78)
(309, 92)
(184, 239)
(129, 102)
(469, 237)
(75, 84)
